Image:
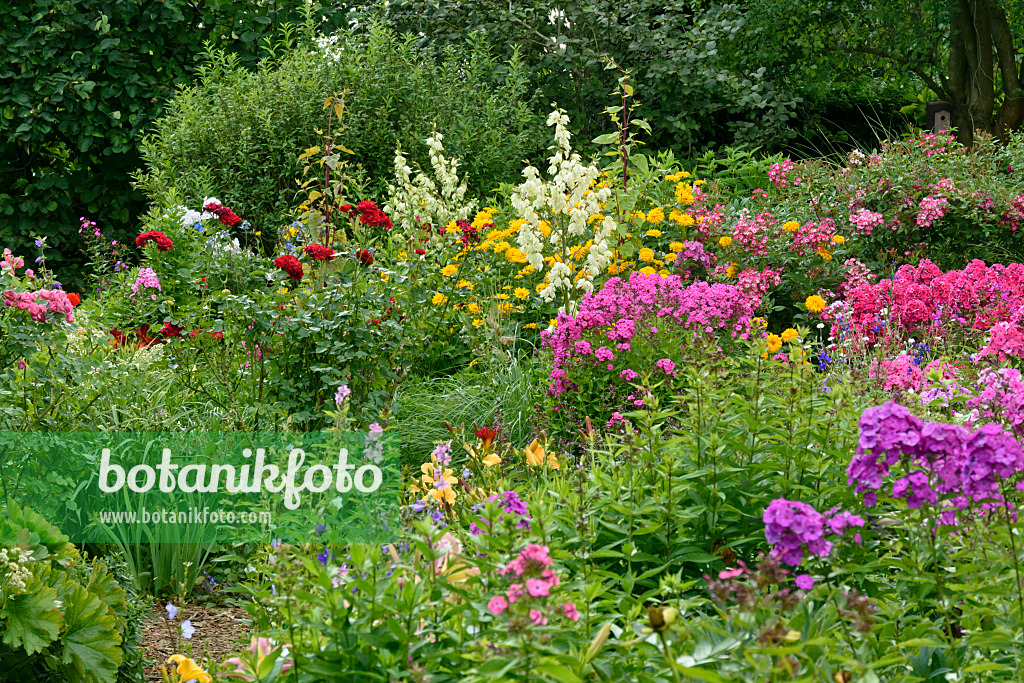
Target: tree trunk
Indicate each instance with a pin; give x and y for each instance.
(1011, 113)
(970, 82)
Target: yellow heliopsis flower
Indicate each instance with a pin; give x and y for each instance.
(639, 216)
(774, 343)
(656, 215)
(683, 219)
(501, 296)
(654, 233)
(670, 257)
(790, 335)
(677, 246)
(553, 322)
(646, 255)
(647, 270)
(838, 239)
(530, 326)
(790, 226)
(384, 276)
(730, 272)
(513, 255)
(439, 299)
(824, 253)
(684, 194)
(545, 228)
(724, 241)
(676, 177)
(451, 227)
(815, 303)
(474, 308)
(477, 322)
(283, 290)
(449, 270)
(521, 293)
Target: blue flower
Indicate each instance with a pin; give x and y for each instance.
(320, 529)
(326, 556)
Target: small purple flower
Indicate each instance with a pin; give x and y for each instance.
(187, 630)
(172, 612)
(320, 529)
(805, 582)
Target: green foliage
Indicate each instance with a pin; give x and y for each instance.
(693, 88)
(238, 134)
(60, 616)
(81, 81)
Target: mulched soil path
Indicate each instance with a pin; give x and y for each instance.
(221, 632)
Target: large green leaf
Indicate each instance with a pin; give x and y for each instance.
(92, 649)
(31, 620)
(103, 585)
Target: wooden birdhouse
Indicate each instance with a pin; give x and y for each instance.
(938, 116)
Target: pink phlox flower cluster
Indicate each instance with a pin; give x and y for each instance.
(534, 579)
(667, 365)
(624, 308)
(694, 253)
(756, 283)
(1000, 399)
(978, 296)
(795, 529)
(53, 301)
(931, 210)
(145, 278)
(1007, 341)
(944, 187)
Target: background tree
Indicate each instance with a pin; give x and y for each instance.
(81, 80)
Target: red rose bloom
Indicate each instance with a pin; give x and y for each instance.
(226, 215)
(421, 252)
(170, 330)
(74, 298)
(319, 252)
(365, 256)
(346, 208)
(290, 265)
(163, 242)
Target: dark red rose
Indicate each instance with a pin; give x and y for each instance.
(345, 208)
(163, 242)
(365, 256)
(290, 265)
(319, 252)
(421, 251)
(170, 330)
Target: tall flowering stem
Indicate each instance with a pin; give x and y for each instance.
(558, 213)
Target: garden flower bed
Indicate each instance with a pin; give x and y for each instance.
(643, 426)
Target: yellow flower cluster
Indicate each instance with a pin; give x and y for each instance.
(684, 194)
(790, 226)
(815, 303)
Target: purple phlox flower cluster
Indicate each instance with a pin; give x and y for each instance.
(509, 502)
(794, 528)
(342, 393)
(943, 462)
(694, 253)
(373, 447)
(667, 365)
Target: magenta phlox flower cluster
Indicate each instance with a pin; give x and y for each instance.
(1014, 214)
(795, 529)
(534, 580)
(39, 303)
(904, 373)
(940, 460)
(978, 296)
(652, 306)
(694, 253)
(510, 503)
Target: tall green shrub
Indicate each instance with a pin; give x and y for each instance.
(238, 134)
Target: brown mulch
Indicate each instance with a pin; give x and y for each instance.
(221, 632)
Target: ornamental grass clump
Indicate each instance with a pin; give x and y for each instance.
(639, 331)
